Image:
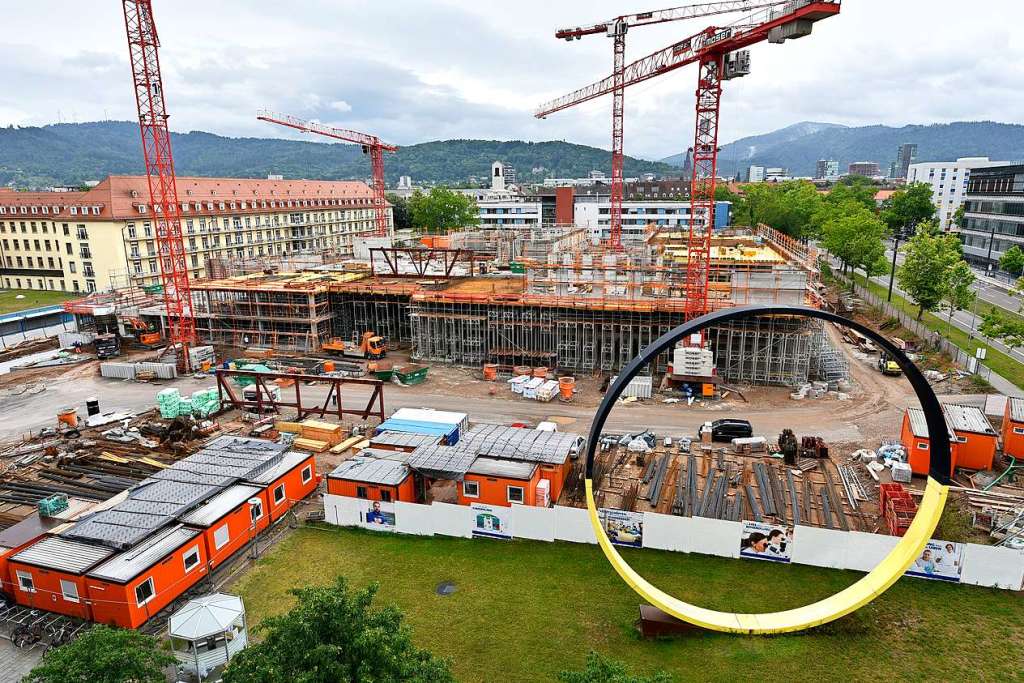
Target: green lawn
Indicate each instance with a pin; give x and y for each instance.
(34, 298)
(526, 610)
(1000, 363)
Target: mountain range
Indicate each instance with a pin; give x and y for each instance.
(798, 147)
(73, 153)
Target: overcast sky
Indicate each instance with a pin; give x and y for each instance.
(412, 71)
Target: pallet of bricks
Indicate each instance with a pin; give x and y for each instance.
(898, 508)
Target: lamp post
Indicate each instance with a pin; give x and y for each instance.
(892, 271)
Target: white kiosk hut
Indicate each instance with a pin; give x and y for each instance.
(207, 632)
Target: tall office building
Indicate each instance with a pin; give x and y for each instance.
(948, 180)
(826, 168)
(994, 214)
(905, 156)
(868, 169)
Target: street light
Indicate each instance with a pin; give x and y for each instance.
(892, 271)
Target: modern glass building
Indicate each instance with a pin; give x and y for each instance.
(993, 214)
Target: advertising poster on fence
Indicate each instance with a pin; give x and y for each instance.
(492, 521)
(940, 560)
(377, 515)
(623, 528)
(763, 541)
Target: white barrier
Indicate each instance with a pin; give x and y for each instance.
(411, 518)
(452, 520)
(534, 522)
(829, 548)
(573, 524)
(996, 567)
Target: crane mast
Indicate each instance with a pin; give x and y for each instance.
(616, 29)
(143, 46)
(720, 54)
(371, 144)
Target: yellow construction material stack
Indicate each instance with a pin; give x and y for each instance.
(288, 427)
(311, 445)
(317, 430)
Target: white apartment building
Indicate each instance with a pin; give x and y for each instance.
(948, 180)
(594, 214)
(509, 213)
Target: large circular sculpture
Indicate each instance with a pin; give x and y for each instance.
(886, 573)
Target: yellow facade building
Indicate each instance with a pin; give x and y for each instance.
(105, 237)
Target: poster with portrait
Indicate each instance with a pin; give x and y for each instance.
(764, 541)
(622, 527)
(492, 521)
(377, 515)
(940, 560)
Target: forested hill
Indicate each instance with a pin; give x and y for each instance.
(70, 154)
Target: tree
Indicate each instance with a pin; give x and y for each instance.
(787, 206)
(928, 258)
(442, 210)
(1012, 261)
(740, 208)
(960, 292)
(332, 634)
(602, 670)
(854, 234)
(908, 206)
(1005, 328)
(104, 655)
(400, 211)
(959, 218)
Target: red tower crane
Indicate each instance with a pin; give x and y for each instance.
(143, 47)
(371, 144)
(720, 55)
(616, 30)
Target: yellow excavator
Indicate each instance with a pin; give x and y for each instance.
(372, 347)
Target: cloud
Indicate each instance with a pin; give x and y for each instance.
(411, 71)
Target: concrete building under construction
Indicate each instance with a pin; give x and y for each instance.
(575, 309)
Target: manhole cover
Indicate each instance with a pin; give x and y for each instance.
(445, 588)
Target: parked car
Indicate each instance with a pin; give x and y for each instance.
(727, 429)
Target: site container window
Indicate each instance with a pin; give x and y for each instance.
(191, 558)
(471, 489)
(144, 592)
(256, 510)
(1018, 430)
(922, 446)
(515, 494)
(385, 495)
(361, 492)
(25, 582)
(278, 494)
(221, 537)
(69, 590)
(307, 473)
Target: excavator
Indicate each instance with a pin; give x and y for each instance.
(372, 347)
(145, 334)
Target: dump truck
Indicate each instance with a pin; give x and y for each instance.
(887, 366)
(372, 347)
(107, 346)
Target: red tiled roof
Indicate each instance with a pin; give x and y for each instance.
(120, 196)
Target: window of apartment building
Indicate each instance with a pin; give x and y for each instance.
(19, 264)
(67, 229)
(152, 265)
(190, 227)
(9, 265)
(81, 232)
(85, 252)
(35, 230)
(134, 250)
(63, 285)
(191, 242)
(137, 265)
(90, 285)
(147, 230)
(49, 261)
(87, 270)
(46, 243)
(71, 267)
(67, 248)
(131, 231)
(75, 284)
(36, 243)
(195, 261)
